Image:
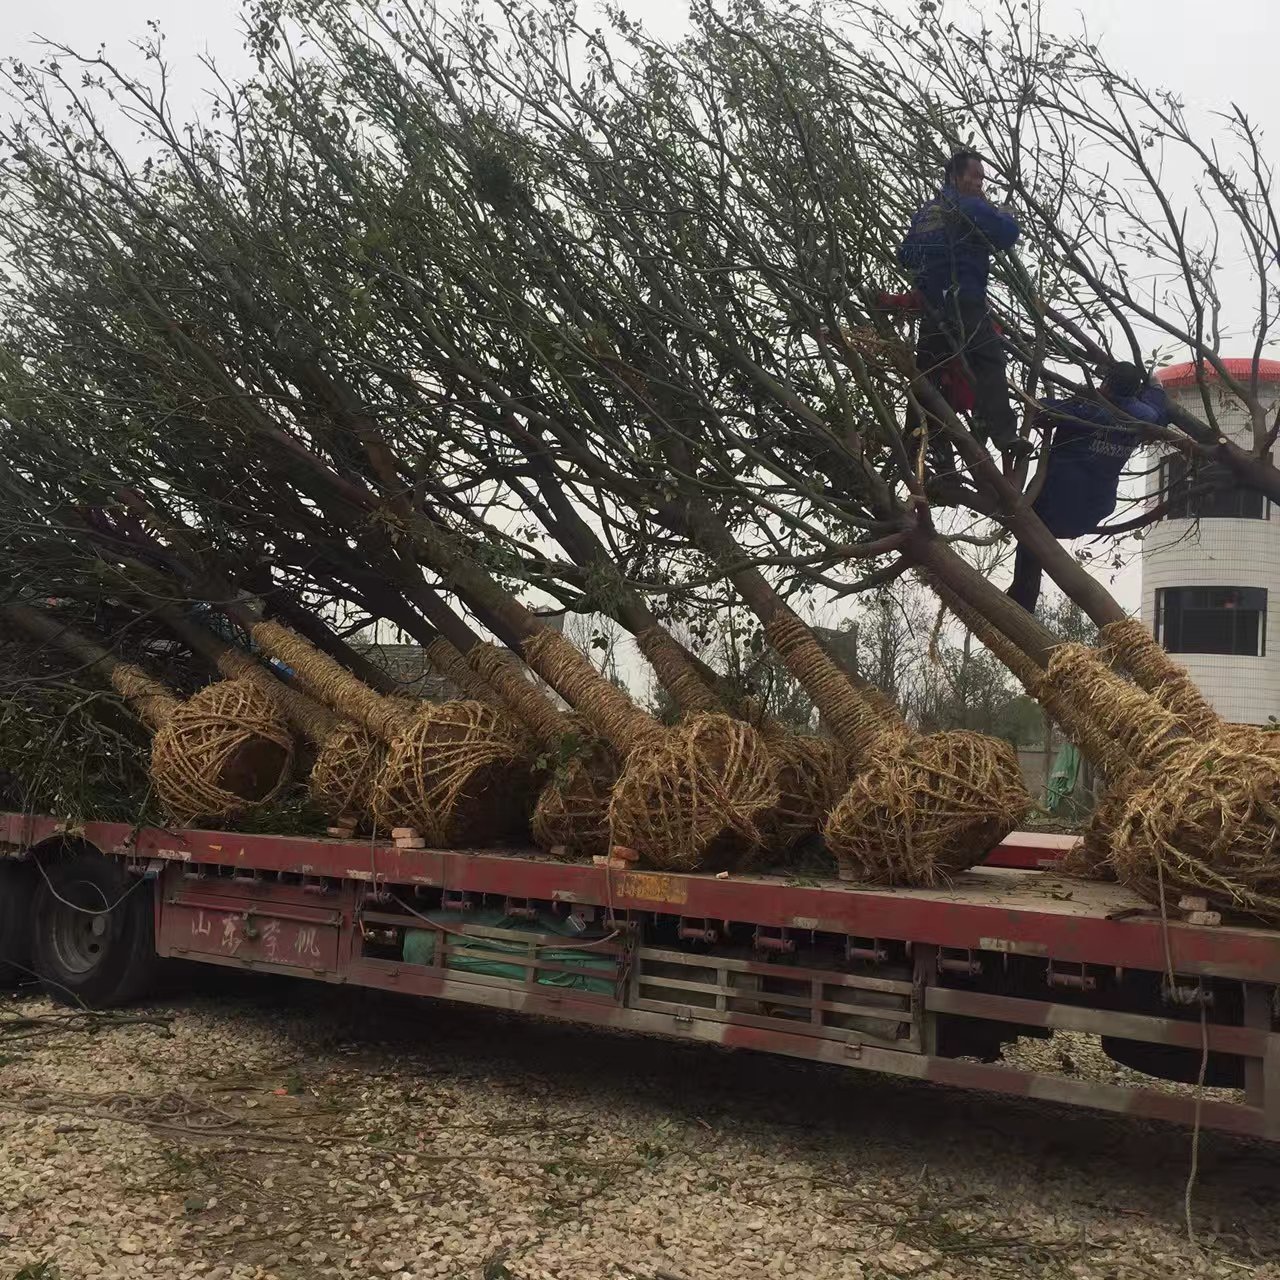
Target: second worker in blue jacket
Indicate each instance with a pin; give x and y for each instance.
(1090, 444)
(948, 250)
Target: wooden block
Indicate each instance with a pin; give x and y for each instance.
(623, 853)
(616, 863)
(342, 833)
(404, 833)
(406, 843)
(1203, 917)
(559, 851)
(1191, 902)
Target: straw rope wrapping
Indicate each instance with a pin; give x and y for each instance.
(917, 815)
(812, 775)
(225, 749)
(572, 812)
(154, 702)
(697, 795)
(1091, 858)
(460, 775)
(344, 778)
(1207, 825)
(608, 709)
(333, 684)
(447, 661)
(1088, 736)
(855, 723)
(1137, 652)
(1143, 731)
(503, 673)
(339, 760)
(811, 771)
(675, 673)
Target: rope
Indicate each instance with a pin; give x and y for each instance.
(676, 674)
(696, 796)
(918, 815)
(344, 778)
(500, 670)
(314, 719)
(460, 775)
(1144, 731)
(154, 702)
(572, 813)
(1101, 751)
(447, 661)
(332, 683)
(1135, 649)
(1206, 824)
(224, 749)
(608, 710)
(852, 719)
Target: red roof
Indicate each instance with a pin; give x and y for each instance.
(1184, 375)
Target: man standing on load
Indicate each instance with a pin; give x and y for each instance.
(948, 249)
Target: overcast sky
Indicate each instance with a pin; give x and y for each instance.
(1212, 54)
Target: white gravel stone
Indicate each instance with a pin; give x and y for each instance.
(284, 1133)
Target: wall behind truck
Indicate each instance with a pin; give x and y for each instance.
(1218, 552)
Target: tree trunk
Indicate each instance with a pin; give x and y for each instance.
(154, 703)
(934, 556)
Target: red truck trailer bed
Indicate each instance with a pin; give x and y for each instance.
(923, 983)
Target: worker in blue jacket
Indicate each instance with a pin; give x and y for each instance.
(1089, 444)
(948, 250)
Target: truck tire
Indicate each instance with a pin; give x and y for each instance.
(93, 932)
(17, 888)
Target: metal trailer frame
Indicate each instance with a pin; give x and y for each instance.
(334, 910)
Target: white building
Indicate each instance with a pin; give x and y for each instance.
(1211, 569)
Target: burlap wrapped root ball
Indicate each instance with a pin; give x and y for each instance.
(1090, 859)
(226, 749)
(812, 776)
(1208, 824)
(460, 774)
(571, 816)
(344, 777)
(1142, 731)
(915, 814)
(696, 796)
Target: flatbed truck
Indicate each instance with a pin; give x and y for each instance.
(923, 983)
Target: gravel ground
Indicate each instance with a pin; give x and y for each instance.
(265, 1130)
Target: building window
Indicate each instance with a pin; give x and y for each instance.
(1212, 620)
(1197, 490)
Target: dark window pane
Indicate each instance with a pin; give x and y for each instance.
(1230, 620)
(1206, 491)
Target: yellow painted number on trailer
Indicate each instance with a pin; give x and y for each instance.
(653, 888)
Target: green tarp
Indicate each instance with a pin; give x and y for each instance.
(482, 955)
(1062, 778)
